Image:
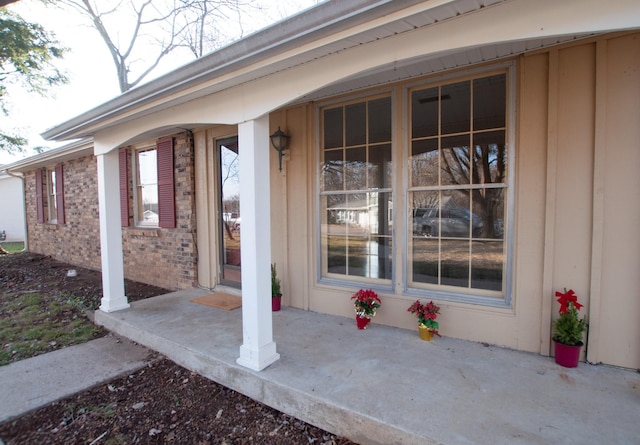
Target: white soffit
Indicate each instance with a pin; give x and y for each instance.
(435, 63)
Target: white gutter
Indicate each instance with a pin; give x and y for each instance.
(67, 152)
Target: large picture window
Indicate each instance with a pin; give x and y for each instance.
(449, 238)
(457, 185)
(356, 187)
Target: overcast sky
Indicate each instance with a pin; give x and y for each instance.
(92, 74)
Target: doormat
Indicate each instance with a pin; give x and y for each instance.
(220, 300)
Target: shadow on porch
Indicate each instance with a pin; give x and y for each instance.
(385, 385)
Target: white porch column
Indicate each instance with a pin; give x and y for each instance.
(113, 297)
(258, 349)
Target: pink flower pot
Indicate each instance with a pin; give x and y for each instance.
(566, 355)
(362, 322)
(275, 303)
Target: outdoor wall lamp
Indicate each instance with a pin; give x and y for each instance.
(280, 141)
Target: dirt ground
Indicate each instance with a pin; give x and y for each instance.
(161, 403)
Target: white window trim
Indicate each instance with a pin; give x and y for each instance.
(381, 285)
(138, 220)
(52, 205)
(447, 294)
(401, 230)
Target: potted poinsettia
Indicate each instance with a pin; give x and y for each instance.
(427, 314)
(365, 303)
(276, 293)
(568, 329)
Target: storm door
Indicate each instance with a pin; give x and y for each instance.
(229, 205)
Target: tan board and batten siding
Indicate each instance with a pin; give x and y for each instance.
(577, 206)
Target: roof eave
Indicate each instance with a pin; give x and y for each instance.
(331, 16)
(67, 152)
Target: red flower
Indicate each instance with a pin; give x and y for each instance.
(426, 313)
(366, 302)
(565, 298)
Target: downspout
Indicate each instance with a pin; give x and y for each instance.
(24, 208)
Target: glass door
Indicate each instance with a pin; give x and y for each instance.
(229, 186)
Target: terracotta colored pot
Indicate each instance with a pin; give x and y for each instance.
(566, 355)
(362, 322)
(425, 333)
(275, 303)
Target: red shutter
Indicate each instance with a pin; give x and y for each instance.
(166, 195)
(60, 193)
(39, 195)
(124, 188)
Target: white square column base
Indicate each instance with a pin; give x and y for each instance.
(258, 359)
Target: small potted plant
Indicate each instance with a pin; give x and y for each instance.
(276, 293)
(427, 314)
(365, 302)
(568, 330)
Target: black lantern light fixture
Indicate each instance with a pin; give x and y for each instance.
(280, 141)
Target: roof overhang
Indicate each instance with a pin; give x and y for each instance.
(65, 153)
(338, 26)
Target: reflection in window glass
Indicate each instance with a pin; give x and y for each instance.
(356, 168)
(380, 171)
(458, 184)
(356, 190)
(147, 187)
(455, 105)
(356, 128)
(52, 203)
(333, 128)
(425, 163)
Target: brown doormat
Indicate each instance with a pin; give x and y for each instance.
(220, 300)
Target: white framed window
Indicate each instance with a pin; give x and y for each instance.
(52, 197)
(356, 189)
(145, 183)
(452, 169)
(458, 186)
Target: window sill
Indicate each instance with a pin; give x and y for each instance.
(145, 232)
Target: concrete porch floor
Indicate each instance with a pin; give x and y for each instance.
(384, 385)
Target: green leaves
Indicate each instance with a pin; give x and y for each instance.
(569, 327)
(27, 53)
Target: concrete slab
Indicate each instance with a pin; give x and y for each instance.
(32, 383)
(384, 385)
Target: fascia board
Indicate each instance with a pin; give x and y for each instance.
(65, 153)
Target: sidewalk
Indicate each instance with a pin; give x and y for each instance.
(35, 382)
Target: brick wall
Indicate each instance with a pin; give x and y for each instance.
(78, 240)
(166, 257)
(162, 257)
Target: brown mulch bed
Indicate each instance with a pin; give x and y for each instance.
(161, 403)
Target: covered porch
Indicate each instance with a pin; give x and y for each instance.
(385, 385)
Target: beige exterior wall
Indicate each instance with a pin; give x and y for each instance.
(577, 209)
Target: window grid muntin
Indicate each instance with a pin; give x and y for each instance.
(145, 185)
(52, 196)
(471, 187)
(351, 237)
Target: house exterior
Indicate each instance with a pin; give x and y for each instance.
(12, 224)
(514, 119)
